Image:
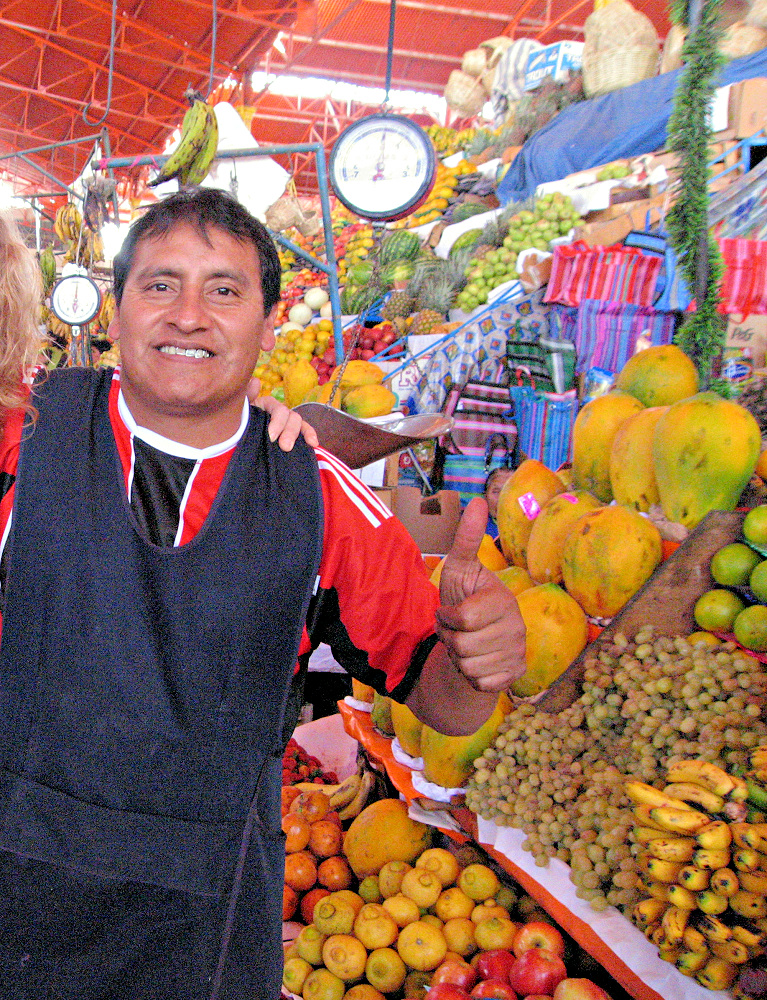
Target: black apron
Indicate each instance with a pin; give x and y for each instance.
(142, 703)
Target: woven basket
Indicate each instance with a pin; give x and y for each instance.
(465, 94)
(620, 48)
(311, 224)
(284, 213)
(741, 39)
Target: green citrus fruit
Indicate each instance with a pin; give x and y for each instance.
(755, 525)
(732, 565)
(750, 628)
(715, 611)
(757, 581)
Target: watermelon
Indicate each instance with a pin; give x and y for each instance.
(466, 210)
(467, 239)
(399, 245)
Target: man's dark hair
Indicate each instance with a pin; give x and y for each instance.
(204, 209)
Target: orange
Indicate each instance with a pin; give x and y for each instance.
(368, 889)
(403, 910)
(362, 991)
(333, 916)
(422, 886)
(495, 932)
(488, 908)
(421, 946)
(716, 610)
(459, 934)
(313, 805)
(294, 974)
(300, 871)
(323, 985)
(309, 944)
(344, 956)
(478, 882)
(309, 900)
(442, 863)
(375, 927)
(453, 902)
(334, 873)
(385, 970)
(289, 902)
(325, 838)
(297, 830)
(390, 877)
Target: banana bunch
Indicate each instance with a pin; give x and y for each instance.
(703, 870)
(47, 262)
(68, 223)
(349, 797)
(444, 139)
(107, 310)
(87, 249)
(191, 159)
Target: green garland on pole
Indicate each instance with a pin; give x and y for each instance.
(689, 135)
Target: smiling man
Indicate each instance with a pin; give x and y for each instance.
(166, 568)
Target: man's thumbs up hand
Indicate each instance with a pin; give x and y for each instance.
(478, 621)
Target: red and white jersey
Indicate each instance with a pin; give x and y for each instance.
(373, 603)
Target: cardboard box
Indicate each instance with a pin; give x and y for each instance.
(385, 495)
(615, 228)
(555, 60)
(747, 336)
(748, 106)
(431, 521)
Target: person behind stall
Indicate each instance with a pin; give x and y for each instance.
(166, 568)
(491, 492)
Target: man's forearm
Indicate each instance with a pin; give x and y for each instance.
(444, 700)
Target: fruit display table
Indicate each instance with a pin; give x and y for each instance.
(607, 936)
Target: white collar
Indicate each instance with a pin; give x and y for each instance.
(170, 447)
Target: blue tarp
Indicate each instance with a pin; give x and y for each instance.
(626, 123)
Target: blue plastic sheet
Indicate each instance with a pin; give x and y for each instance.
(626, 123)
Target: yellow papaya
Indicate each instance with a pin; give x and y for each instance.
(516, 578)
(521, 498)
(359, 372)
(299, 380)
(632, 470)
(368, 401)
(550, 530)
(383, 832)
(595, 427)
(557, 631)
(608, 556)
(407, 728)
(659, 376)
(705, 450)
(326, 391)
(448, 760)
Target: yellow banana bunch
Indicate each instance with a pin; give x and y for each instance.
(68, 222)
(195, 137)
(107, 311)
(47, 261)
(200, 165)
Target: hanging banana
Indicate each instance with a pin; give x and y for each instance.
(199, 167)
(195, 130)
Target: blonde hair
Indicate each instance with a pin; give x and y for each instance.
(20, 297)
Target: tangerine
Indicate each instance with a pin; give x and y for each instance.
(289, 902)
(390, 877)
(294, 974)
(334, 873)
(309, 944)
(460, 936)
(441, 863)
(321, 984)
(325, 838)
(421, 946)
(363, 991)
(495, 932)
(422, 886)
(375, 927)
(309, 900)
(717, 609)
(312, 804)
(333, 916)
(757, 581)
(478, 882)
(403, 910)
(453, 902)
(300, 871)
(344, 956)
(297, 830)
(755, 525)
(352, 898)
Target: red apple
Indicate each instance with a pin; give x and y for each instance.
(366, 355)
(579, 989)
(537, 934)
(329, 357)
(447, 991)
(388, 336)
(459, 973)
(495, 989)
(494, 964)
(380, 345)
(537, 971)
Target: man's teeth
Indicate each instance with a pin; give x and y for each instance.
(188, 352)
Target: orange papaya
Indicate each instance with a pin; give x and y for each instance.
(659, 376)
(522, 496)
(595, 427)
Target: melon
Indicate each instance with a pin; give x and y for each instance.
(448, 760)
(632, 469)
(595, 427)
(705, 450)
(522, 496)
(557, 632)
(383, 832)
(550, 531)
(659, 376)
(609, 554)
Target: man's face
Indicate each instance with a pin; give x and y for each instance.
(191, 325)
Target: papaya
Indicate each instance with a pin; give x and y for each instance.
(557, 631)
(383, 832)
(516, 578)
(358, 372)
(448, 760)
(362, 692)
(550, 529)
(705, 450)
(380, 714)
(299, 380)
(407, 728)
(632, 470)
(595, 427)
(326, 391)
(608, 556)
(488, 555)
(659, 376)
(368, 401)
(523, 494)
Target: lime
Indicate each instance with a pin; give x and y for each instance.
(731, 566)
(755, 525)
(715, 611)
(751, 628)
(757, 581)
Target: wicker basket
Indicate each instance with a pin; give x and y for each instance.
(741, 39)
(284, 213)
(620, 48)
(465, 94)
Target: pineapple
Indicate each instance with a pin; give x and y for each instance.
(435, 297)
(398, 305)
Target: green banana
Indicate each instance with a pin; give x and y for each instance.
(199, 167)
(193, 136)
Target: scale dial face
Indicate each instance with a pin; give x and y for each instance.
(382, 166)
(76, 299)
